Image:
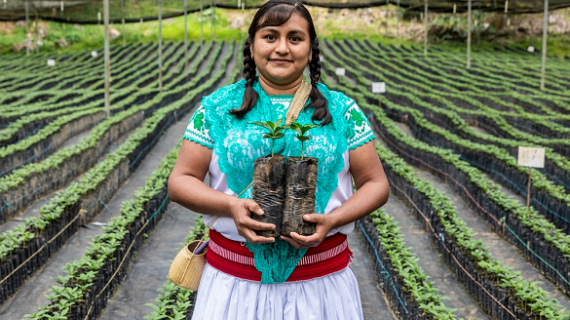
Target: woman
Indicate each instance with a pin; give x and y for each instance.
(294, 277)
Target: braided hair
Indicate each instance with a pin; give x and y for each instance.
(250, 97)
(276, 13)
(318, 101)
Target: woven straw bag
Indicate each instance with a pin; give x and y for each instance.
(186, 269)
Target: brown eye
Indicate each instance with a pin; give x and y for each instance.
(270, 37)
(295, 39)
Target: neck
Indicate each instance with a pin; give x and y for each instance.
(273, 89)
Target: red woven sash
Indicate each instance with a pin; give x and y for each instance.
(231, 257)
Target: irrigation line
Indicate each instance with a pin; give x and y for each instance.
(529, 249)
(428, 223)
(534, 200)
(36, 190)
(81, 211)
(383, 267)
(440, 172)
(501, 223)
(105, 205)
(130, 166)
(126, 254)
(495, 172)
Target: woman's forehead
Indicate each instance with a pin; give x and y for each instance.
(296, 23)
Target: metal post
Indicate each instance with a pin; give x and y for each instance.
(123, 21)
(27, 30)
(185, 33)
(544, 36)
(201, 21)
(387, 4)
(469, 34)
(398, 19)
(212, 17)
(107, 57)
(36, 30)
(160, 45)
(426, 26)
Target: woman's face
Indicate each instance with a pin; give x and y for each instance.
(281, 53)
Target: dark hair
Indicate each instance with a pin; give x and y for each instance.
(276, 13)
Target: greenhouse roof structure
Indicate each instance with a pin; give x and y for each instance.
(89, 11)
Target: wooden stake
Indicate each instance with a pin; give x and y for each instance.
(528, 191)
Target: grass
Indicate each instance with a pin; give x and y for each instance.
(329, 25)
(83, 37)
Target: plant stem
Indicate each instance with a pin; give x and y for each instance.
(272, 148)
(302, 150)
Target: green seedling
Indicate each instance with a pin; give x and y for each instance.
(301, 129)
(275, 131)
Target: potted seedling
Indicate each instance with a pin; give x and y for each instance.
(269, 179)
(301, 183)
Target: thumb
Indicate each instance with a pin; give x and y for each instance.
(255, 208)
(313, 217)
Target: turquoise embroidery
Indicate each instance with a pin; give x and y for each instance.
(238, 144)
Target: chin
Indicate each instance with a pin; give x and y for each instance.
(282, 75)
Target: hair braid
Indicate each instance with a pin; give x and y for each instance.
(249, 72)
(318, 101)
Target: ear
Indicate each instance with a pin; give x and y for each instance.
(251, 51)
(310, 55)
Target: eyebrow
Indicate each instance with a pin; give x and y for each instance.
(269, 29)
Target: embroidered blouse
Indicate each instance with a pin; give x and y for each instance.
(236, 145)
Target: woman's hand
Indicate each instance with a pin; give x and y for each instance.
(240, 211)
(324, 223)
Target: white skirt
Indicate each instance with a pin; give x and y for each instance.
(225, 297)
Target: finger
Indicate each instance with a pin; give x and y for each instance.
(293, 242)
(313, 217)
(258, 225)
(307, 240)
(252, 237)
(255, 208)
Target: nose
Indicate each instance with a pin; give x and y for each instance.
(282, 47)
